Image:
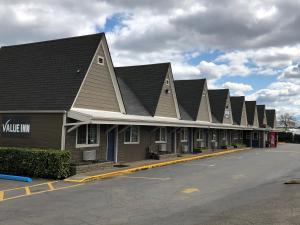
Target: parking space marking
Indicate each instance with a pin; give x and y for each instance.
(190, 190)
(50, 186)
(200, 164)
(148, 178)
(28, 192)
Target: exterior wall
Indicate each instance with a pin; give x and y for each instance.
(46, 129)
(133, 152)
(213, 144)
(255, 121)
(244, 116)
(166, 103)
(97, 91)
(200, 143)
(204, 108)
(228, 120)
(76, 153)
(182, 147)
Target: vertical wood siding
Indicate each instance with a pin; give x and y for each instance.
(98, 91)
(203, 113)
(166, 104)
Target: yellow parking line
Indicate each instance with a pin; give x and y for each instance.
(40, 192)
(190, 190)
(35, 185)
(50, 186)
(1, 196)
(27, 190)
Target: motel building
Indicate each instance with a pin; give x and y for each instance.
(66, 94)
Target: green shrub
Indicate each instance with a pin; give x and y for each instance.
(44, 163)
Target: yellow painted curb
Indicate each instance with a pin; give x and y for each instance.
(135, 169)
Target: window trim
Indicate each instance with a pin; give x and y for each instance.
(100, 57)
(198, 136)
(166, 135)
(185, 132)
(86, 145)
(131, 142)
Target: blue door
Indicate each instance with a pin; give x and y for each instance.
(111, 145)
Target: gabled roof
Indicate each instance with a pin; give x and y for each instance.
(250, 109)
(271, 117)
(45, 75)
(261, 114)
(237, 103)
(217, 99)
(145, 82)
(189, 95)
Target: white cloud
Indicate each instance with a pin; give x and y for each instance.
(238, 88)
(291, 72)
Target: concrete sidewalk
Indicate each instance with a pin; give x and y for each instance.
(145, 164)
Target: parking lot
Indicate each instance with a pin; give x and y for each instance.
(240, 188)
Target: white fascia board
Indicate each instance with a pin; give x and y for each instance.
(106, 117)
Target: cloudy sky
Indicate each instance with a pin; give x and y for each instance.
(251, 47)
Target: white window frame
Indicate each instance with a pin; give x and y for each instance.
(227, 112)
(131, 142)
(167, 82)
(160, 132)
(100, 57)
(200, 131)
(86, 145)
(184, 134)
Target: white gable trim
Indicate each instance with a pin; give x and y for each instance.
(170, 73)
(113, 76)
(205, 88)
(104, 45)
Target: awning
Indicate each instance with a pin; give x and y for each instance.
(89, 116)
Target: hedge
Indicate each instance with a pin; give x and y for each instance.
(43, 163)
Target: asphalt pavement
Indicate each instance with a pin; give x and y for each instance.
(240, 188)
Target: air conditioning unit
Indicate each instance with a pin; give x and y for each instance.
(185, 148)
(89, 155)
(163, 147)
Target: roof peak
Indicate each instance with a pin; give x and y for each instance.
(53, 40)
(141, 65)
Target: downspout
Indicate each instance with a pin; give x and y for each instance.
(63, 132)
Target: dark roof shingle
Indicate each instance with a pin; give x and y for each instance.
(189, 94)
(261, 114)
(271, 117)
(217, 100)
(237, 103)
(250, 109)
(145, 81)
(45, 75)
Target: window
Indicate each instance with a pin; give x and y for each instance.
(161, 135)
(204, 94)
(200, 135)
(255, 136)
(224, 134)
(132, 135)
(184, 134)
(100, 60)
(87, 136)
(227, 112)
(167, 82)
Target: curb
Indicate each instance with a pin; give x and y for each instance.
(146, 167)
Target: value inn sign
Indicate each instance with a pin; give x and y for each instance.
(17, 126)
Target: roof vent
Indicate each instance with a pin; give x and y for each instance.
(168, 91)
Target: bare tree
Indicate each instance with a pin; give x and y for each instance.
(286, 120)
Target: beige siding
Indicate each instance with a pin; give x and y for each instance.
(97, 91)
(166, 103)
(244, 116)
(76, 153)
(203, 113)
(228, 120)
(255, 122)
